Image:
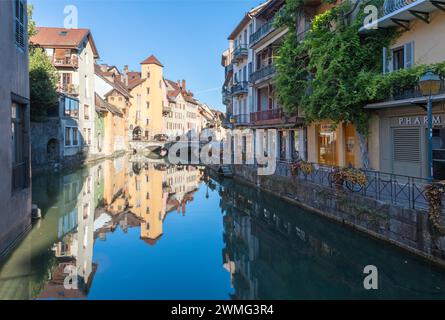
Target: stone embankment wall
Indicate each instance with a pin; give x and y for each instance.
(406, 228)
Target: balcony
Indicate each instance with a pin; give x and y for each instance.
(240, 119)
(240, 88)
(399, 13)
(69, 89)
(266, 115)
(226, 96)
(240, 53)
(263, 31)
(66, 62)
(166, 109)
(262, 74)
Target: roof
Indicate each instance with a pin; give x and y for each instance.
(247, 17)
(63, 38)
(116, 83)
(152, 60)
(103, 106)
(135, 83)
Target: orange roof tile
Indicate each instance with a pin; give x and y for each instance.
(152, 60)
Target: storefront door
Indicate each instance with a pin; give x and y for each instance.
(327, 145)
(350, 144)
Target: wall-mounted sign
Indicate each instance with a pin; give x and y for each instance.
(416, 120)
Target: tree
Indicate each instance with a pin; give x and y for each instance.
(43, 76)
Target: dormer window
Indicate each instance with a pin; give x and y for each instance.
(63, 33)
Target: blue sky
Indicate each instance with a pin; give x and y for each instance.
(187, 36)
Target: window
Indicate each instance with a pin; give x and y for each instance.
(148, 75)
(20, 178)
(75, 136)
(147, 122)
(89, 136)
(148, 90)
(86, 111)
(148, 104)
(67, 136)
(71, 107)
(398, 59)
(19, 31)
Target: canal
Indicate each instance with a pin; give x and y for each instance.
(130, 230)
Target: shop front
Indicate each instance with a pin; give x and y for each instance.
(333, 145)
(404, 141)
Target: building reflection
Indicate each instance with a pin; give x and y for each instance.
(84, 207)
(274, 250)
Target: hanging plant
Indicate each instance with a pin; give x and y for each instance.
(302, 166)
(338, 177)
(434, 194)
(356, 176)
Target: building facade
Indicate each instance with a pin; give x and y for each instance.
(15, 172)
(398, 141)
(73, 53)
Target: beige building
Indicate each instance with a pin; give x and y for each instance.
(15, 187)
(398, 140)
(148, 99)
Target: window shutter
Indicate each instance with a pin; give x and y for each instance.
(409, 54)
(406, 145)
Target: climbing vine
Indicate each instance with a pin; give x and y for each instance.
(327, 73)
(434, 194)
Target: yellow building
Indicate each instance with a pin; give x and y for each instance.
(148, 97)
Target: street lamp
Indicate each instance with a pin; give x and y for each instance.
(429, 85)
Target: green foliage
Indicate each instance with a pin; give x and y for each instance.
(31, 23)
(43, 80)
(325, 74)
(43, 77)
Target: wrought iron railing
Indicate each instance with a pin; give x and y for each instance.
(264, 30)
(390, 6)
(412, 92)
(240, 52)
(241, 118)
(262, 73)
(404, 191)
(240, 88)
(267, 115)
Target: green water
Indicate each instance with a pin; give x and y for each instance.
(128, 230)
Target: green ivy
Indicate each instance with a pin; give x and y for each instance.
(327, 74)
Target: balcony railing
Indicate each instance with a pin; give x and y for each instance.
(272, 114)
(66, 62)
(264, 30)
(390, 6)
(413, 92)
(70, 89)
(240, 52)
(226, 95)
(262, 73)
(241, 119)
(240, 88)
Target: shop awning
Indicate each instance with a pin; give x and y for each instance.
(404, 102)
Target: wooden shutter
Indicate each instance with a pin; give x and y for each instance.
(408, 54)
(406, 145)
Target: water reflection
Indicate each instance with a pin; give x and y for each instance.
(85, 206)
(193, 238)
(274, 250)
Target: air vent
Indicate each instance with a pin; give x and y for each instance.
(406, 145)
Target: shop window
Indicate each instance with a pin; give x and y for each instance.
(327, 145)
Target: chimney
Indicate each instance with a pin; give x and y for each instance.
(126, 75)
(183, 85)
(179, 83)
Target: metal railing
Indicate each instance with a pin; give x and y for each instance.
(70, 89)
(241, 119)
(412, 92)
(262, 73)
(400, 190)
(390, 6)
(240, 52)
(267, 115)
(66, 62)
(240, 88)
(264, 30)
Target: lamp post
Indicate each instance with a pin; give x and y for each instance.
(429, 85)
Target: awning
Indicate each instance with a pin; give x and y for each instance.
(404, 102)
(419, 9)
